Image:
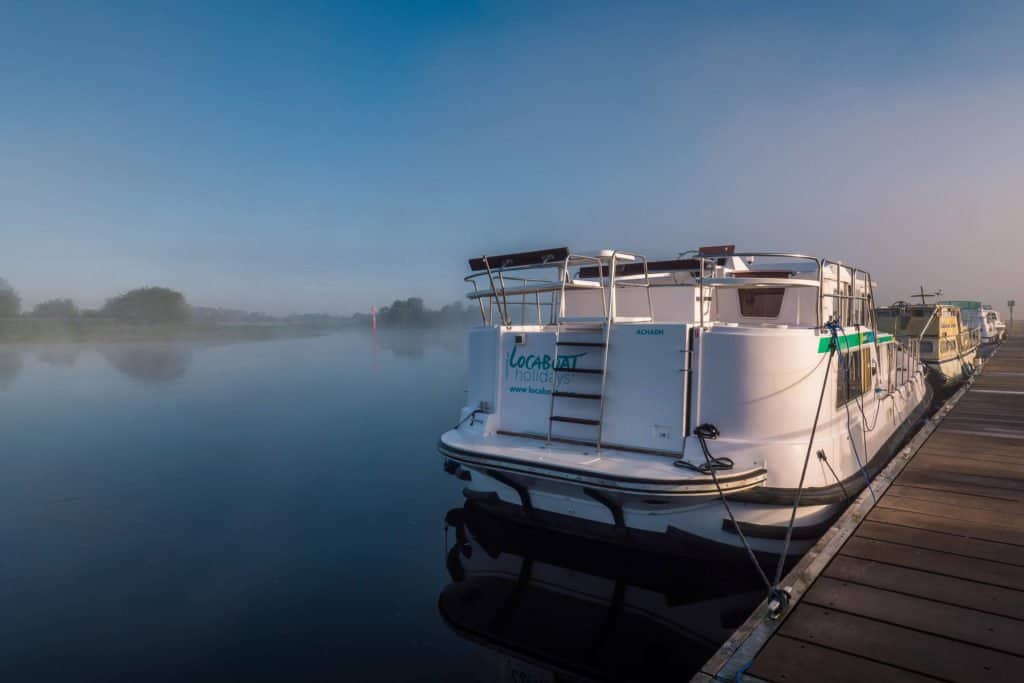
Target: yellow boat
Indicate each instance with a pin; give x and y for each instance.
(948, 347)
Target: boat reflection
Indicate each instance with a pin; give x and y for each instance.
(552, 607)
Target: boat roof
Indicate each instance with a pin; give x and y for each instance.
(963, 304)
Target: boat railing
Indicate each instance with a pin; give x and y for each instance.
(969, 338)
(611, 260)
(907, 363)
(855, 305)
(528, 296)
(852, 301)
(541, 300)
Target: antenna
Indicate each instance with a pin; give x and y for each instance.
(923, 294)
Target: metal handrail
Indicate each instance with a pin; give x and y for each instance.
(713, 258)
(502, 293)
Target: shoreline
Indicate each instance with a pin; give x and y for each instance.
(52, 331)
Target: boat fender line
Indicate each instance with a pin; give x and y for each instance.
(610, 503)
(704, 432)
(521, 491)
(780, 597)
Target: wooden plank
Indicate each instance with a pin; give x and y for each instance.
(1010, 508)
(964, 483)
(886, 526)
(958, 443)
(1005, 528)
(1010, 453)
(1009, 456)
(797, 661)
(947, 589)
(953, 439)
(899, 646)
(966, 466)
(928, 616)
(946, 525)
(973, 569)
(973, 429)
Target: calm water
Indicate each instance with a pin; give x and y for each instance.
(278, 508)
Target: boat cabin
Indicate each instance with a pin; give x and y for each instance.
(939, 327)
(588, 347)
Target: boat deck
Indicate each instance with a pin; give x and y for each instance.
(925, 584)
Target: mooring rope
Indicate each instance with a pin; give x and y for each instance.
(710, 431)
(844, 365)
(833, 326)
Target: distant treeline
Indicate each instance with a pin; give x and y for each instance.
(412, 312)
(145, 305)
(161, 305)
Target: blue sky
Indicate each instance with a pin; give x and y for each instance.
(328, 156)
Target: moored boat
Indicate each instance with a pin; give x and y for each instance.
(622, 394)
(998, 326)
(976, 316)
(948, 347)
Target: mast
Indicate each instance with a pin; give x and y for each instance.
(923, 295)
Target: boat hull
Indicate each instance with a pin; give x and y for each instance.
(685, 517)
(946, 375)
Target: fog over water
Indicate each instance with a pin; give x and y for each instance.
(177, 510)
(307, 158)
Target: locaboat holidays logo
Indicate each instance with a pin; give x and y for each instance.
(536, 370)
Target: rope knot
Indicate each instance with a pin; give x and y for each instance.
(706, 431)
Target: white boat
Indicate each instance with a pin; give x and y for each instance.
(992, 316)
(615, 394)
(980, 317)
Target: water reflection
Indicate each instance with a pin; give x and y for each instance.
(10, 367)
(552, 607)
(152, 363)
(414, 343)
(57, 356)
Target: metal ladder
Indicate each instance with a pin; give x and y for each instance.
(589, 326)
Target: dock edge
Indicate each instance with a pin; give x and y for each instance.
(739, 650)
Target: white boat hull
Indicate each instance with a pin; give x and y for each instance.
(577, 482)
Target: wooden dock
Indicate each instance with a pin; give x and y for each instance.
(927, 583)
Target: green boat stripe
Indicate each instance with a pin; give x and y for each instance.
(851, 340)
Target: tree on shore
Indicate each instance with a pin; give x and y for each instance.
(412, 312)
(56, 308)
(148, 304)
(404, 313)
(10, 302)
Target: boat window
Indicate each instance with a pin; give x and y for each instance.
(761, 302)
(851, 376)
(926, 347)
